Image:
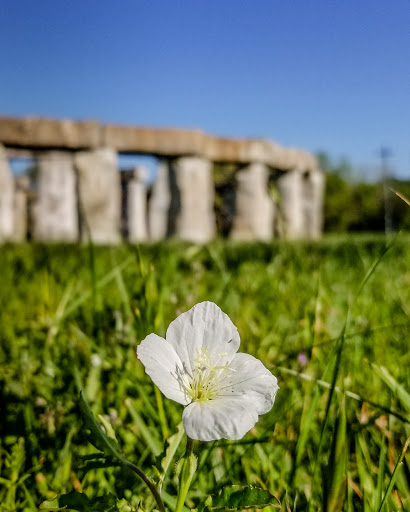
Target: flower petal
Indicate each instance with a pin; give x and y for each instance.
(164, 367)
(250, 380)
(221, 418)
(205, 328)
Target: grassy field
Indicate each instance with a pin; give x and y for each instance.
(329, 319)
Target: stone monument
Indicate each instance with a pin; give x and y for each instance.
(55, 215)
(99, 195)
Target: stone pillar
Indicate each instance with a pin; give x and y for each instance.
(55, 216)
(20, 208)
(313, 192)
(137, 205)
(99, 187)
(192, 199)
(159, 204)
(254, 207)
(292, 204)
(6, 198)
(301, 203)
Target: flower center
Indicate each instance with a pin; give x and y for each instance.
(206, 379)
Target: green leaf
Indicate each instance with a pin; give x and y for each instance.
(237, 496)
(92, 456)
(97, 437)
(73, 500)
(81, 503)
(107, 427)
(171, 501)
(172, 446)
(185, 470)
(109, 462)
(106, 503)
(335, 477)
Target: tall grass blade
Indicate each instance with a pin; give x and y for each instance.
(347, 393)
(394, 474)
(335, 474)
(150, 438)
(381, 473)
(400, 392)
(98, 285)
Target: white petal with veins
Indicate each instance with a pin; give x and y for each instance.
(251, 380)
(204, 328)
(222, 418)
(164, 367)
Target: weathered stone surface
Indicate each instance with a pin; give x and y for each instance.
(99, 189)
(42, 133)
(313, 192)
(6, 198)
(155, 141)
(258, 151)
(290, 187)
(192, 199)
(20, 208)
(137, 205)
(55, 216)
(169, 143)
(159, 204)
(301, 203)
(254, 207)
(222, 149)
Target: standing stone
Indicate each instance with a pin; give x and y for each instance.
(192, 199)
(254, 207)
(6, 198)
(20, 208)
(292, 204)
(55, 217)
(159, 204)
(313, 192)
(99, 186)
(301, 203)
(137, 205)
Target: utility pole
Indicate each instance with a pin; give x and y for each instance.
(385, 154)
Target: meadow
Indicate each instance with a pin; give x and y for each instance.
(330, 319)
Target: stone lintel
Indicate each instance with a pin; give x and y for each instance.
(39, 133)
(162, 142)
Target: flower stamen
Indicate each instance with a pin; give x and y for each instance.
(205, 382)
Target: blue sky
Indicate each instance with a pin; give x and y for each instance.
(327, 75)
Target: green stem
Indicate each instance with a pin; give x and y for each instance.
(189, 465)
(149, 482)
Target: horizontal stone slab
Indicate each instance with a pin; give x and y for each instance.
(156, 141)
(33, 133)
(39, 133)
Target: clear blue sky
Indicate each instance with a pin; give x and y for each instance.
(327, 75)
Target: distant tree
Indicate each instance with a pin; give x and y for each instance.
(342, 168)
(354, 206)
(337, 198)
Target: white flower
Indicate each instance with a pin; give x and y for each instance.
(197, 366)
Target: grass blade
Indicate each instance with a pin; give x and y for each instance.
(394, 474)
(391, 382)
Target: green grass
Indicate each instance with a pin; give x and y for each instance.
(71, 319)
